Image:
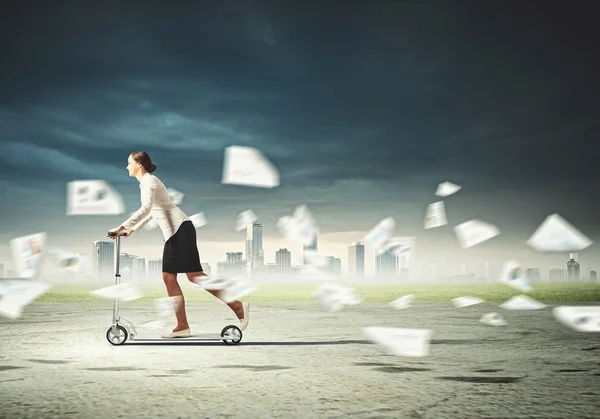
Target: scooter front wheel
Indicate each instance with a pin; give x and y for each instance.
(118, 338)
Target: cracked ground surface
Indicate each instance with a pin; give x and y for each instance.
(297, 361)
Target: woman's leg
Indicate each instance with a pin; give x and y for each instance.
(235, 305)
(174, 290)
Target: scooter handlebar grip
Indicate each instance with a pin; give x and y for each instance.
(113, 234)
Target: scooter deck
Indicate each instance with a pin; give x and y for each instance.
(193, 338)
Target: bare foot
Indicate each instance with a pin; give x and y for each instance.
(239, 310)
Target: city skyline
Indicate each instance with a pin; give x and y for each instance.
(361, 125)
(443, 269)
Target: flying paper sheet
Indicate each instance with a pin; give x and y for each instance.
(198, 220)
(121, 292)
(557, 235)
(400, 245)
(176, 196)
(335, 296)
(300, 227)
(403, 302)
(67, 263)
(208, 282)
(474, 232)
(514, 275)
(236, 288)
(522, 302)
(28, 254)
(580, 318)
(400, 341)
(17, 294)
(466, 301)
(380, 234)
(446, 189)
(93, 197)
(249, 167)
(435, 216)
(245, 218)
(167, 306)
(493, 319)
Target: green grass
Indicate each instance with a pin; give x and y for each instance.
(563, 293)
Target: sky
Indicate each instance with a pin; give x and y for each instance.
(363, 107)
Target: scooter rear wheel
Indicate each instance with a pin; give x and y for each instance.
(232, 335)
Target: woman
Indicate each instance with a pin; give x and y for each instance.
(180, 254)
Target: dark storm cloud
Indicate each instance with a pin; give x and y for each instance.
(488, 97)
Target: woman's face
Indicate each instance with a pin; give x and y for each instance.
(133, 167)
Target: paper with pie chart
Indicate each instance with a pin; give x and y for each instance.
(580, 318)
(515, 275)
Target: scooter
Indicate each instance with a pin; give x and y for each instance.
(122, 329)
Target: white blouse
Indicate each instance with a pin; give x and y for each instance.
(157, 204)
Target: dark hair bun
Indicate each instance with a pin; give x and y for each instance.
(152, 168)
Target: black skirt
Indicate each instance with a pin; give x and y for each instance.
(180, 254)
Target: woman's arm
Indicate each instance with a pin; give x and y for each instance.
(148, 193)
(142, 223)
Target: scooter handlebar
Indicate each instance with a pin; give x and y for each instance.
(113, 234)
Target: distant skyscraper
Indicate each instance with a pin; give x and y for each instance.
(533, 274)
(138, 268)
(103, 259)
(154, 269)
(573, 268)
(386, 264)
(574, 256)
(312, 246)
(254, 245)
(465, 269)
(336, 266)
(283, 262)
(490, 272)
(557, 275)
(234, 257)
(593, 277)
(206, 268)
(356, 260)
(126, 260)
(233, 266)
(2, 270)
